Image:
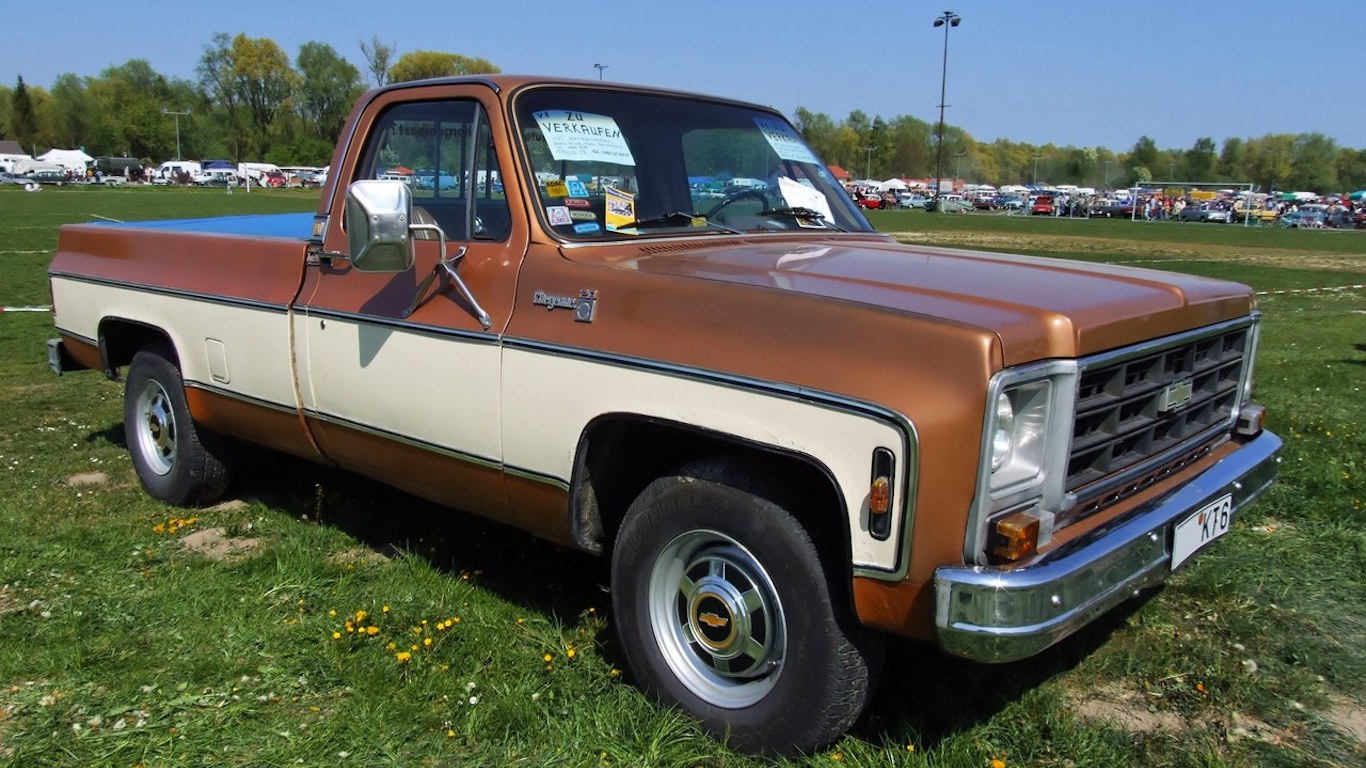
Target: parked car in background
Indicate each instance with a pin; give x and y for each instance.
(911, 200)
(1111, 209)
(949, 205)
(48, 177)
(1303, 219)
(1206, 212)
(1042, 206)
(274, 180)
(871, 202)
(1262, 215)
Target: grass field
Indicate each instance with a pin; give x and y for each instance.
(319, 619)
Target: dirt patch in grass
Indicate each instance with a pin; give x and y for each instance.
(1125, 710)
(1153, 252)
(87, 479)
(9, 602)
(1130, 711)
(1349, 717)
(358, 556)
(217, 545)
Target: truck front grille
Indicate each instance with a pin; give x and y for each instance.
(1139, 413)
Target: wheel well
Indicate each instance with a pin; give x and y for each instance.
(620, 455)
(121, 339)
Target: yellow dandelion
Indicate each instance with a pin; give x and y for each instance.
(392, 646)
(372, 630)
(360, 616)
(910, 747)
(450, 734)
(403, 657)
(548, 658)
(413, 647)
(455, 619)
(570, 653)
(336, 635)
(996, 762)
(615, 672)
(427, 641)
(332, 612)
(521, 620)
(385, 609)
(837, 756)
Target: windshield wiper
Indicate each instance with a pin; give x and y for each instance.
(804, 214)
(677, 218)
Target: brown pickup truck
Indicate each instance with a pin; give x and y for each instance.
(651, 325)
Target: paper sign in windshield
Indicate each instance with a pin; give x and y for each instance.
(583, 136)
(798, 195)
(784, 140)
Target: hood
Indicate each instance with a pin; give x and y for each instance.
(1038, 307)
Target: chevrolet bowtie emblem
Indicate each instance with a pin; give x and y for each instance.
(712, 620)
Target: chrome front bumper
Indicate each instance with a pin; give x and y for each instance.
(997, 615)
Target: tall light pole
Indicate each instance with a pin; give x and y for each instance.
(958, 164)
(165, 111)
(946, 20)
(868, 167)
(600, 68)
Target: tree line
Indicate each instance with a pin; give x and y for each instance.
(250, 101)
(906, 147)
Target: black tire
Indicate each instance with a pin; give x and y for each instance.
(724, 610)
(169, 451)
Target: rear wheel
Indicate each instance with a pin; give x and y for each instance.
(725, 611)
(169, 452)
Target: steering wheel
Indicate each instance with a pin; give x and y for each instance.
(736, 196)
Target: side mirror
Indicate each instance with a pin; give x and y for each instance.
(378, 214)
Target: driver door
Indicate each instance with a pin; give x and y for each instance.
(401, 386)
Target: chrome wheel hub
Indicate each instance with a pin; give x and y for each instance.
(717, 619)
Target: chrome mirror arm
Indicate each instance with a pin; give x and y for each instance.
(449, 265)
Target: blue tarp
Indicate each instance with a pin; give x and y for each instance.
(293, 226)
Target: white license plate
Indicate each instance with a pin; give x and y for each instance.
(1205, 525)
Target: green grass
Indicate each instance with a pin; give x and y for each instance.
(119, 647)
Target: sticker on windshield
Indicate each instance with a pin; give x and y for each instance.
(621, 208)
(785, 141)
(559, 216)
(576, 188)
(556, 189)
(583, 136)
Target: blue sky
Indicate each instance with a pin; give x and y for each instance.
(1080, 73)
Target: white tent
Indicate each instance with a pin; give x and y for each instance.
(894, 185)
(70, 159)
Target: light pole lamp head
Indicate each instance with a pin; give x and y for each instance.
(952, 18)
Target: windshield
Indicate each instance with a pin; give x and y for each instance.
(616, 165)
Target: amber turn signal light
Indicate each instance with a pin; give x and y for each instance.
(1016, 536)
(880, 496)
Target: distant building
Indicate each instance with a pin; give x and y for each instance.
(11, 153)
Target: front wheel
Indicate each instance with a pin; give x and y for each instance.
(170, 455)
(724, 611)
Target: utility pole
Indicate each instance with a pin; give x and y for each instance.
(600, 68)
(177, 115)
